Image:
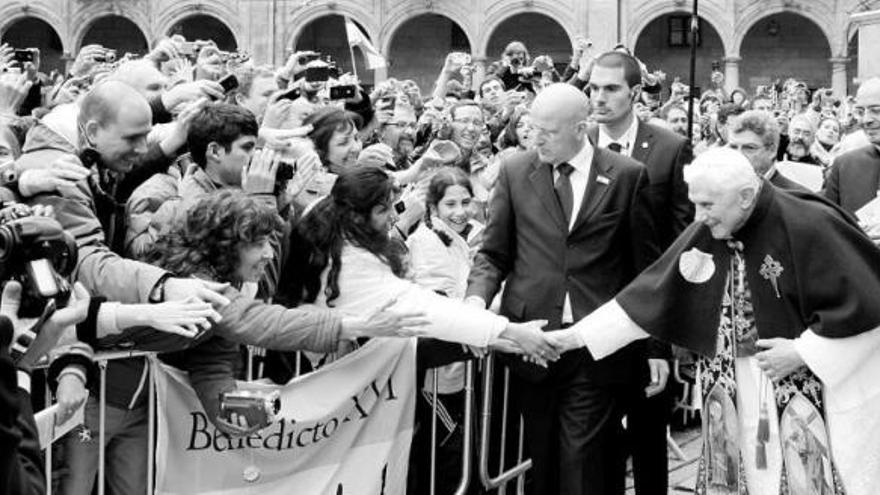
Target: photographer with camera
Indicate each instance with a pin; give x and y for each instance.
(21, 462)
(515, 64)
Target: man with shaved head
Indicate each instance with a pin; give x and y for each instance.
(570, 226)
(112, 123)
(854, 179)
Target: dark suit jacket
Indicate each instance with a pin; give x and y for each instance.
(854, 178)
(665, 154)
(528, 243)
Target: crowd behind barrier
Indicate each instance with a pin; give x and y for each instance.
(242, 222)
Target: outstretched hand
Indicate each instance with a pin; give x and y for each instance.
(563, 340)
(531, 339)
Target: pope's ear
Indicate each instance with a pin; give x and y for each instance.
(748, 195)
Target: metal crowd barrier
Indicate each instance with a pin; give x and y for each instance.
(497, 482)
(101, 359)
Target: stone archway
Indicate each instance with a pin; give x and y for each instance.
(419, 46)
(116, 32)
(784, 45)
(541, 34)
(205, 27)
(326, 35)
(32, 32)
(662, 46)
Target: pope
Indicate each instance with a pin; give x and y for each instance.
(779, 293)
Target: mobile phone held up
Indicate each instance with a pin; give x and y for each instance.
(228, 83)
(24, 55)
(343, 92)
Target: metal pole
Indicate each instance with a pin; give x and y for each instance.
(102, 417)
(151, 422)
(467, 444)
(490, 483)
(695, 28)
(48, 458)
(434, 391)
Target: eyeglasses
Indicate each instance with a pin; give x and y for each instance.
(468, 122)
(872, 110)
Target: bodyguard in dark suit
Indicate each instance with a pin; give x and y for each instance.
(615, 85)
(569, 226)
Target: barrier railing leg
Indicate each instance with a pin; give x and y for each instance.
(521, 467)
(502, 490)
(151, 423)
(48, 458)
(467, 443)
(433, 477)
(521, 479)
(102, 409)
(249, 374)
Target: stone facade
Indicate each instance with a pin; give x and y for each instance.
(753, 40)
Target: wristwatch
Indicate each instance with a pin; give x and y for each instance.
(157, 295)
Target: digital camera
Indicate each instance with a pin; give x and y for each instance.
(37, 252)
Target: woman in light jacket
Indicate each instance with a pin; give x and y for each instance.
(348, 261)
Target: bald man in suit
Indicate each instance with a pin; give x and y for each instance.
(569, 226)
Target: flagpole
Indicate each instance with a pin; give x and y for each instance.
(354, 69)
(695, 27)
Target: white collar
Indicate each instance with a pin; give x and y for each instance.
(627, 140)
(582, 160)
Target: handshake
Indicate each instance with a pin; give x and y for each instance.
(536, 345)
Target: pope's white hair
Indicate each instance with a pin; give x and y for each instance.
(725, 169)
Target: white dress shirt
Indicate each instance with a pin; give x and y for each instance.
(579, 177)
(627, 141)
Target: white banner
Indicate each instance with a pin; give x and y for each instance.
(343, 430)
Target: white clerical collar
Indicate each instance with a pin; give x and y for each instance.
(771, 172)
(626, 141)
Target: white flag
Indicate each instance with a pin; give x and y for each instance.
(375, 60)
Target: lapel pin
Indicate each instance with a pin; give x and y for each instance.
(644, 144)
(601, 179)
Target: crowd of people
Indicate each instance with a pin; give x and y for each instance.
(191, 202)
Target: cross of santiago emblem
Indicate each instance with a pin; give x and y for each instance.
(771, 270)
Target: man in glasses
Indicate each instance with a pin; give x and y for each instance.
(854, 180)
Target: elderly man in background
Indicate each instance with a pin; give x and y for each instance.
(854, 179)
(801, 135)
(756, 135)
(789, 339)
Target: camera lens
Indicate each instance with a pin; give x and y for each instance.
(8, 241)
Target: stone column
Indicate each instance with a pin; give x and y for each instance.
(839, 76)
(479, 71)
(868, 24)
(731, 73)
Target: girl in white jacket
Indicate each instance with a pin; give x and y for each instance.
(442, 248)
(348, 261)
(441, 251)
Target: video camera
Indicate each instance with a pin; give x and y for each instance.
(258, 407)
(37, 252)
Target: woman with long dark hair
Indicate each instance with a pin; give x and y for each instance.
(226, 237)
(351, 263)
